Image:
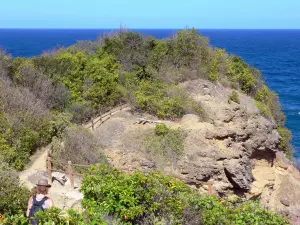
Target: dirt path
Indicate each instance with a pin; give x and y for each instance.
(63, 196)
(38, 164)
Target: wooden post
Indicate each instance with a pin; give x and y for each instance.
(93, 123)
(209, 187)
(121, 105)
(110, 111)
(48, 167)
(71, 177)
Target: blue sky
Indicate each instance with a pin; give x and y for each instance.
(228, 14)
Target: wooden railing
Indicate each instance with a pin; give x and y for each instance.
(71, 173)
(105, 116)
(69, 170)
(93, 124)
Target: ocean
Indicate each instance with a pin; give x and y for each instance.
(275, 52)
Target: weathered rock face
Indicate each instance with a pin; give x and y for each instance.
(234, 147)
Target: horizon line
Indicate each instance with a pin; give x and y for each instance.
(148, 28)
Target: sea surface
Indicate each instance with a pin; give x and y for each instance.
(275, 52)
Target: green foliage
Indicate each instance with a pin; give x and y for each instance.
(101, 81)
(165, 142)
(234, 97)
(55, 216)
(80, 147)
(240, 72)
(186, 46)
(218, 64)
(284, 144)
(161, 129)
(138, 197)
(113, 197)
(71, 67)
(130, 197)
(165, 102)
(226, 212)
(158, 55)
(13, 196)
(262, 94)
(264, 110)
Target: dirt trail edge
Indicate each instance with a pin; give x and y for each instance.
(63, 196)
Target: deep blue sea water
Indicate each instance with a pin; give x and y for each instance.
(275, 52)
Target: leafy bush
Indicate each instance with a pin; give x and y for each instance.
(79, 146)
(113, 197)
(144, 198)
(218, 65)
(234, 97)
(55, 216)
(284, 144)
(165, 142)
(264, 110)
(161, 129)
(240, 72)
(165, 102)
(131, 197)
(13, 196)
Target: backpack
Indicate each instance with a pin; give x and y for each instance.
(36, 206)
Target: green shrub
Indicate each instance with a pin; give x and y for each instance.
(218, 64)
(113, 197)
(284, 144)
(79, 146)
(56, 216)
(164, 102)
(140, 198)
(161, 129)
(13, 196)
(262, 94)
(264, 110)
(240, 72)
(131, 197)
(234, 97)
(165, 142)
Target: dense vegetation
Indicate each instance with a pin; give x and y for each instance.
(43, 98)
(113, 197)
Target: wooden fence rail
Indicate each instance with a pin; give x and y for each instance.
(102, 118)
(105, 116)
(71, 173)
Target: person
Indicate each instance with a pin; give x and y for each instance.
(40, 200)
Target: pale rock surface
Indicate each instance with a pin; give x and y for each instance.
(234, 147)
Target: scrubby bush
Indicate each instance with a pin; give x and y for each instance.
(79, 146)
(165, 102)
(234, 97)
(264, 110)
(285, 143)
(113, 197)
(144, 198)
(165, 143)
(13, 195)
(161, 129)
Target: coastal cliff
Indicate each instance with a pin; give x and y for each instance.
(234, 147)
(193, 112)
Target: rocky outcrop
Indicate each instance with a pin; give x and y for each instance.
(231, 145)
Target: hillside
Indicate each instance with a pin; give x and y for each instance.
(213, 118)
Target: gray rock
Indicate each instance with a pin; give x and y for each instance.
(238, 172)
(285, 202)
